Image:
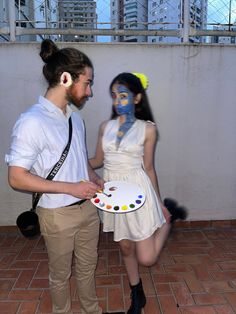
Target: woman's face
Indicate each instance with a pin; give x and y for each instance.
(123, 99)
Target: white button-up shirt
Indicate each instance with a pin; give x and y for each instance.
(38, 140)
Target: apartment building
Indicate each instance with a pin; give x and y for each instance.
(65, 14)
(156, 15)
(129, 14)
(169, 14)
(24, 15)
(77, 14)
(46, 16)
(224, 39)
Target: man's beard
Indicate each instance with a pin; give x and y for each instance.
(78, 102)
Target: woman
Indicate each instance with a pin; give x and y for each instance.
(126, 146)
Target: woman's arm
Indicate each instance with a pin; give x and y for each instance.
(97, 160)
(94, 177)
(148, 160)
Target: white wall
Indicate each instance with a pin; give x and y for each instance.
(192, 93)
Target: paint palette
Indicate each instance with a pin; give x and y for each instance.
(119, 197)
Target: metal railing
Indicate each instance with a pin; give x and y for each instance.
(220, 23)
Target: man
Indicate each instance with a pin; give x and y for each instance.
(69, 222)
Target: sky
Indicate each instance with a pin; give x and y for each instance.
(103, 11)
(219, 11)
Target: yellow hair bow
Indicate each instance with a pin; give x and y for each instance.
(143, 79)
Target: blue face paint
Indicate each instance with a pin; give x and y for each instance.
(124, 106)
(125, 101)
(122, 110)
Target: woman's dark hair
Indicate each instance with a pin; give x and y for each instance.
(62, 60)
(133, 83)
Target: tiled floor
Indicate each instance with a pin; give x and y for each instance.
(196, 273)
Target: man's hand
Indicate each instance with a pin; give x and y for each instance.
(84, 189)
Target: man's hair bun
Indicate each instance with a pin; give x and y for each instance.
(48, 49)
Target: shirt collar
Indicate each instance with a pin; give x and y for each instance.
(47, 104)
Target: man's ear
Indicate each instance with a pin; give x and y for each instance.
(137, 98)
(66, 79)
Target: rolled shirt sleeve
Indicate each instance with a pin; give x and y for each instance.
(24, 149)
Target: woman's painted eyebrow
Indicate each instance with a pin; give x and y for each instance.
(122, 89)
(123, 92)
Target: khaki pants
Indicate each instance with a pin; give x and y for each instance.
(67, 230)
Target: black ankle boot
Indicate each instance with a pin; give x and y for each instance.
(138, 299)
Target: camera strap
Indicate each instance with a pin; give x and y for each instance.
(56, 167)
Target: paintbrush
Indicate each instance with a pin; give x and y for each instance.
(101, 191)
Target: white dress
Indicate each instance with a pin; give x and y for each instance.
(126, 164)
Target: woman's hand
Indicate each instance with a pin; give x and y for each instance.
(100, 182)
(166, 213)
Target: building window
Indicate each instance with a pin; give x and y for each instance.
(21, 2)
(22, 24)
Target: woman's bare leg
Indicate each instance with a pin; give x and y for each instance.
(128, 252)
(138, 298)
(148, 250)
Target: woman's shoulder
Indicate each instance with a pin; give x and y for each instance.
(104, 124)
(147, 124)
(151, 123)
(150, 129)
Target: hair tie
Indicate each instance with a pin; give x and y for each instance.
(143, 79)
